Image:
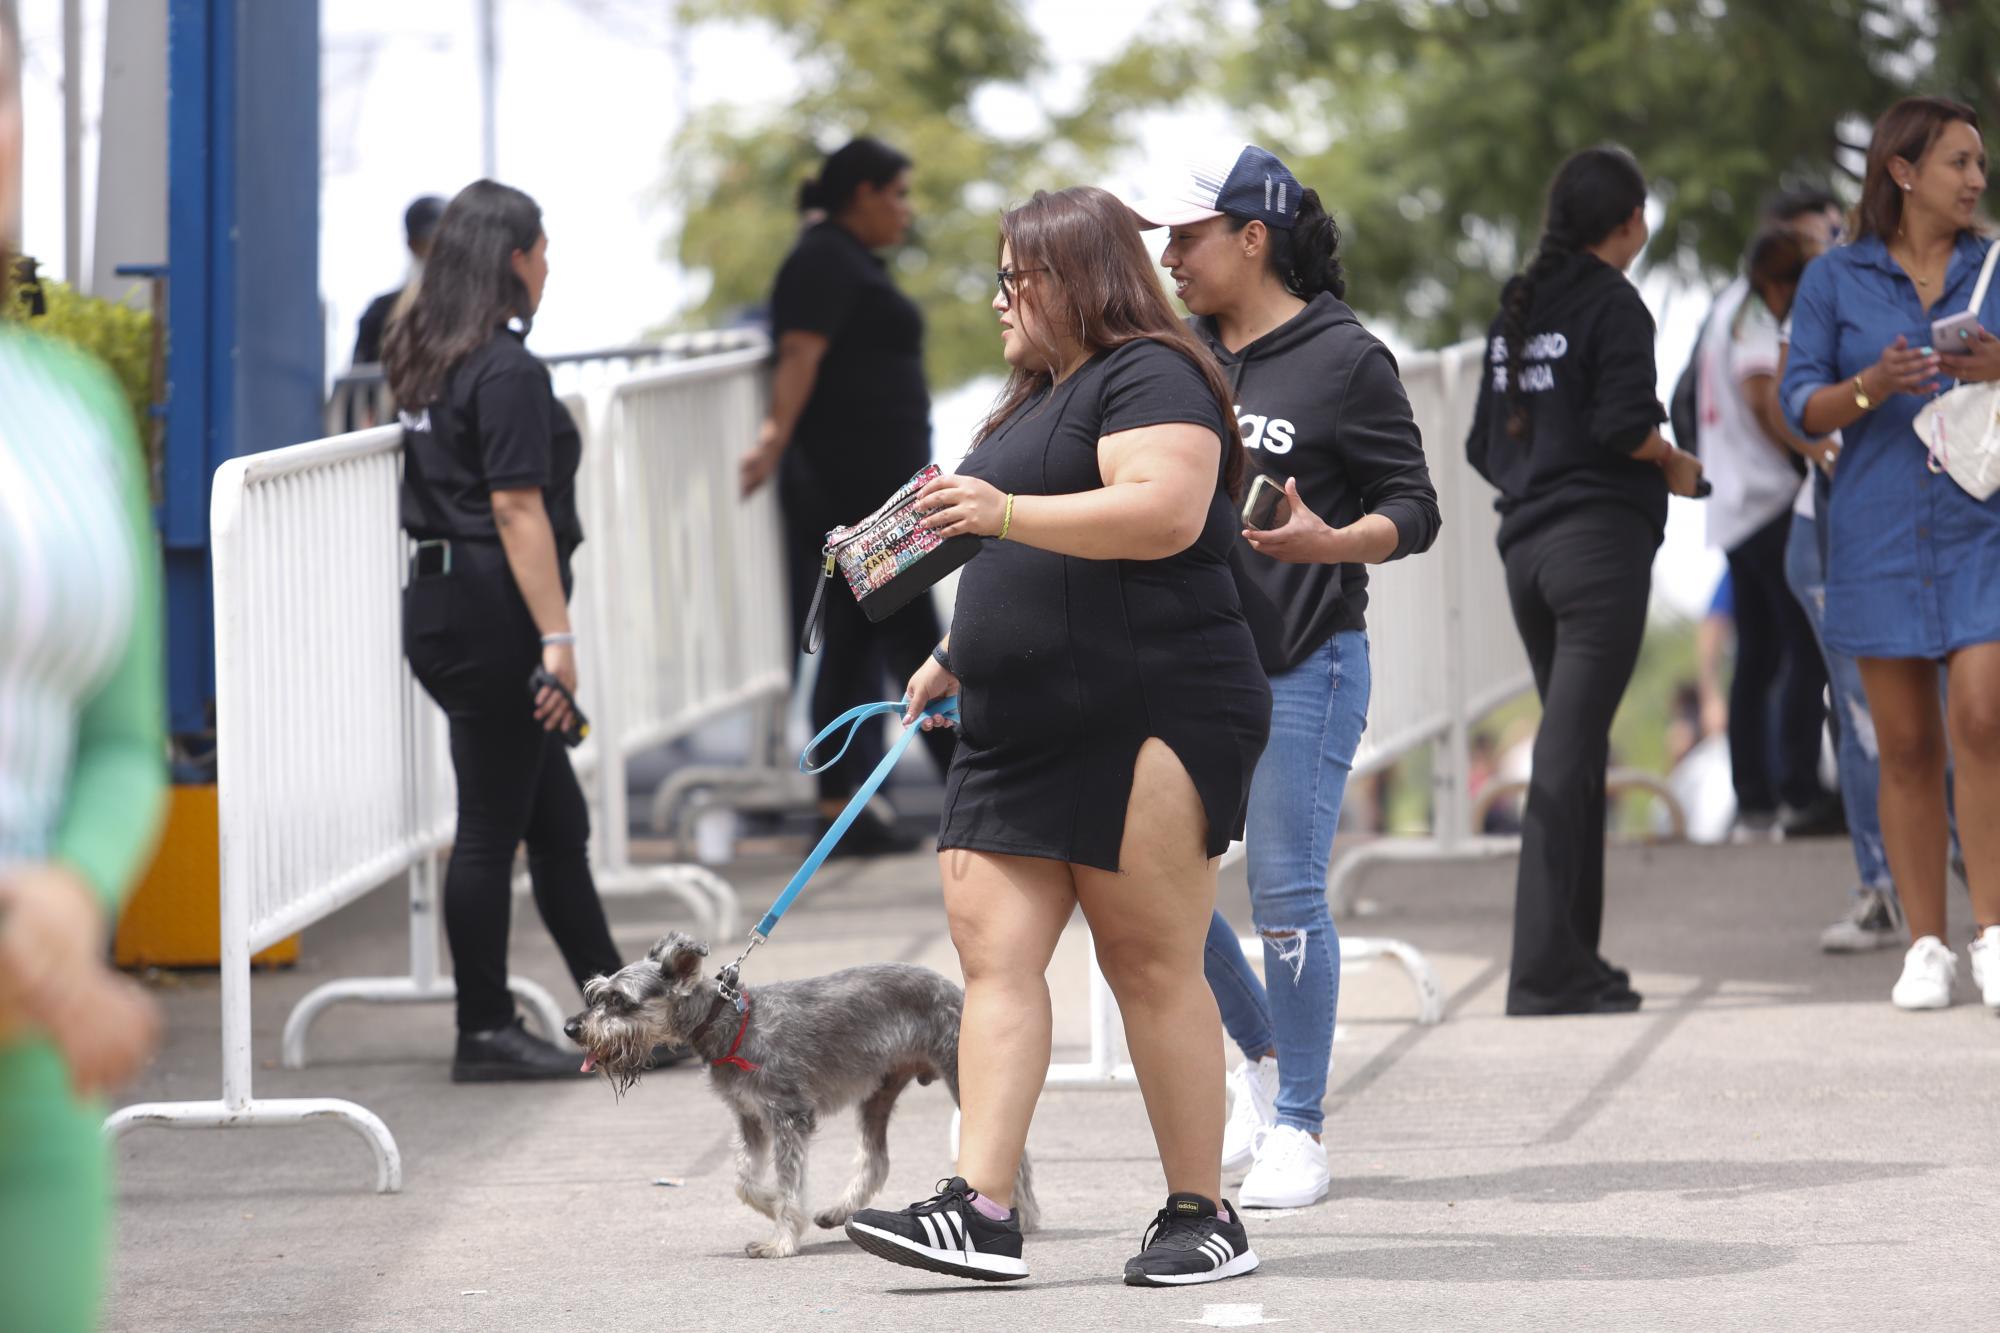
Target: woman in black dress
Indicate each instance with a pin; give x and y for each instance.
(1112, 711)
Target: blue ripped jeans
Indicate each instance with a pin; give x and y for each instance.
(1318, 711)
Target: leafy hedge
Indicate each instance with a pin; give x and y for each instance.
(117, 335)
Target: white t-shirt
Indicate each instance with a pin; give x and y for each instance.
(1753, 477)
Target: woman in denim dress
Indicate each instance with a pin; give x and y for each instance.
(1913, 562)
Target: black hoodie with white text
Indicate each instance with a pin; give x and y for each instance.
(1318, 399)
(1592, 392)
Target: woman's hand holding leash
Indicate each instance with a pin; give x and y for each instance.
(931, 682)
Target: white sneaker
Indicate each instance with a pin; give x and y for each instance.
(1985, 955)
(1928, 971)
(1290, 1171)
(1875, 923)
(1253, 1106)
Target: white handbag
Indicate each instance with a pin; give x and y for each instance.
(1961, 429)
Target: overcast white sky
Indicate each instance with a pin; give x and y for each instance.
(591, 94)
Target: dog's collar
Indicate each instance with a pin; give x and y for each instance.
(715, 1012)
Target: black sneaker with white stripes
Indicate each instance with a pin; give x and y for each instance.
(944, 1234)
(1188, 1242)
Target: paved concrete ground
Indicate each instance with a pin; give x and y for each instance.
(1768, 1144)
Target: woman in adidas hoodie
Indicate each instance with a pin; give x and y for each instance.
(1256, 258)
(1567, 430)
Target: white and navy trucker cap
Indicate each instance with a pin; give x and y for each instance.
(1253, 184)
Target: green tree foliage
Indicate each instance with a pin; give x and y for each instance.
(1431, 126)
(907, 72)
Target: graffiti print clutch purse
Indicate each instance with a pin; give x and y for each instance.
(888, 558)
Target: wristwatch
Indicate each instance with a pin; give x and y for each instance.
(1861, 399)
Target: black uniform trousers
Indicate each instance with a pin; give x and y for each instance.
(1578, 584)
(472, 645)
(861, 661)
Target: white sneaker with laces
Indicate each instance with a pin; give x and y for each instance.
(1290, 1171)
(1928, 971)
(1985, 955)
(1875, 923)
(1253, 1106)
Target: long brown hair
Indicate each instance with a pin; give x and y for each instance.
(467, 291)
(1906, 130)
(1099, 285)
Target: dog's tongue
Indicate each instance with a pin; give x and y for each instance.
(589, 1063)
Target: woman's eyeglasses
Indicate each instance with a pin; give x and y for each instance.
(1008, 280)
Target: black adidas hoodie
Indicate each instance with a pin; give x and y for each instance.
(1593, 397)
(1317, 398)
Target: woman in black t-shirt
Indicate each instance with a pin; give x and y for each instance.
(1112, 712)
(489, 494)
(1567, 429)
(849, 422)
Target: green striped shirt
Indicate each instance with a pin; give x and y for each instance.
(82, 758)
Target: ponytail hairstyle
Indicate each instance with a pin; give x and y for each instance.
(1592, 195)
(846, 169)
(1307, 257)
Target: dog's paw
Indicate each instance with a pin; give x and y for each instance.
(832, 1219)
(784, 1247)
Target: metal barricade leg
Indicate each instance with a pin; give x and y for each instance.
(238, 1108)
(424, 985)
(271, 1115)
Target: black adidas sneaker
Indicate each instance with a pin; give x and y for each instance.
(944, 1234)
(1188, 1243)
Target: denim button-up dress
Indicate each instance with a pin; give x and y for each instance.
(1913, 562)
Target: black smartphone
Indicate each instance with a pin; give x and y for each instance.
(578, 727)
(1266, 507)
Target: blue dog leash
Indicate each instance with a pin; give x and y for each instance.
(852, 719)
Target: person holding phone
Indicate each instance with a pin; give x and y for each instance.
(1567, 430)
(1912, 561)
(1339, 483)
(489, 493)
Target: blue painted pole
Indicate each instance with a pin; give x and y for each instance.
(245, 348)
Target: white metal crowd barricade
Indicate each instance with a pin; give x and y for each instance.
(1433, 620)
(329, 771)
(695, 625)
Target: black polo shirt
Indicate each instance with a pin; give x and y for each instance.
(866, 427)
(497, 427)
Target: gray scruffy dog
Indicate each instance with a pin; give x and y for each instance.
(810, 1048)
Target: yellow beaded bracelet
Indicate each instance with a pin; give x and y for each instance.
(1007, 520)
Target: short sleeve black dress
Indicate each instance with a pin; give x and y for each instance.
(1069, 665)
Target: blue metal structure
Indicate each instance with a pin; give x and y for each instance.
(245, 345)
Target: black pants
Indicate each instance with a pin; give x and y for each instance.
(473, 645)
(861, 661)
(1777, 698)
(1578, 585)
